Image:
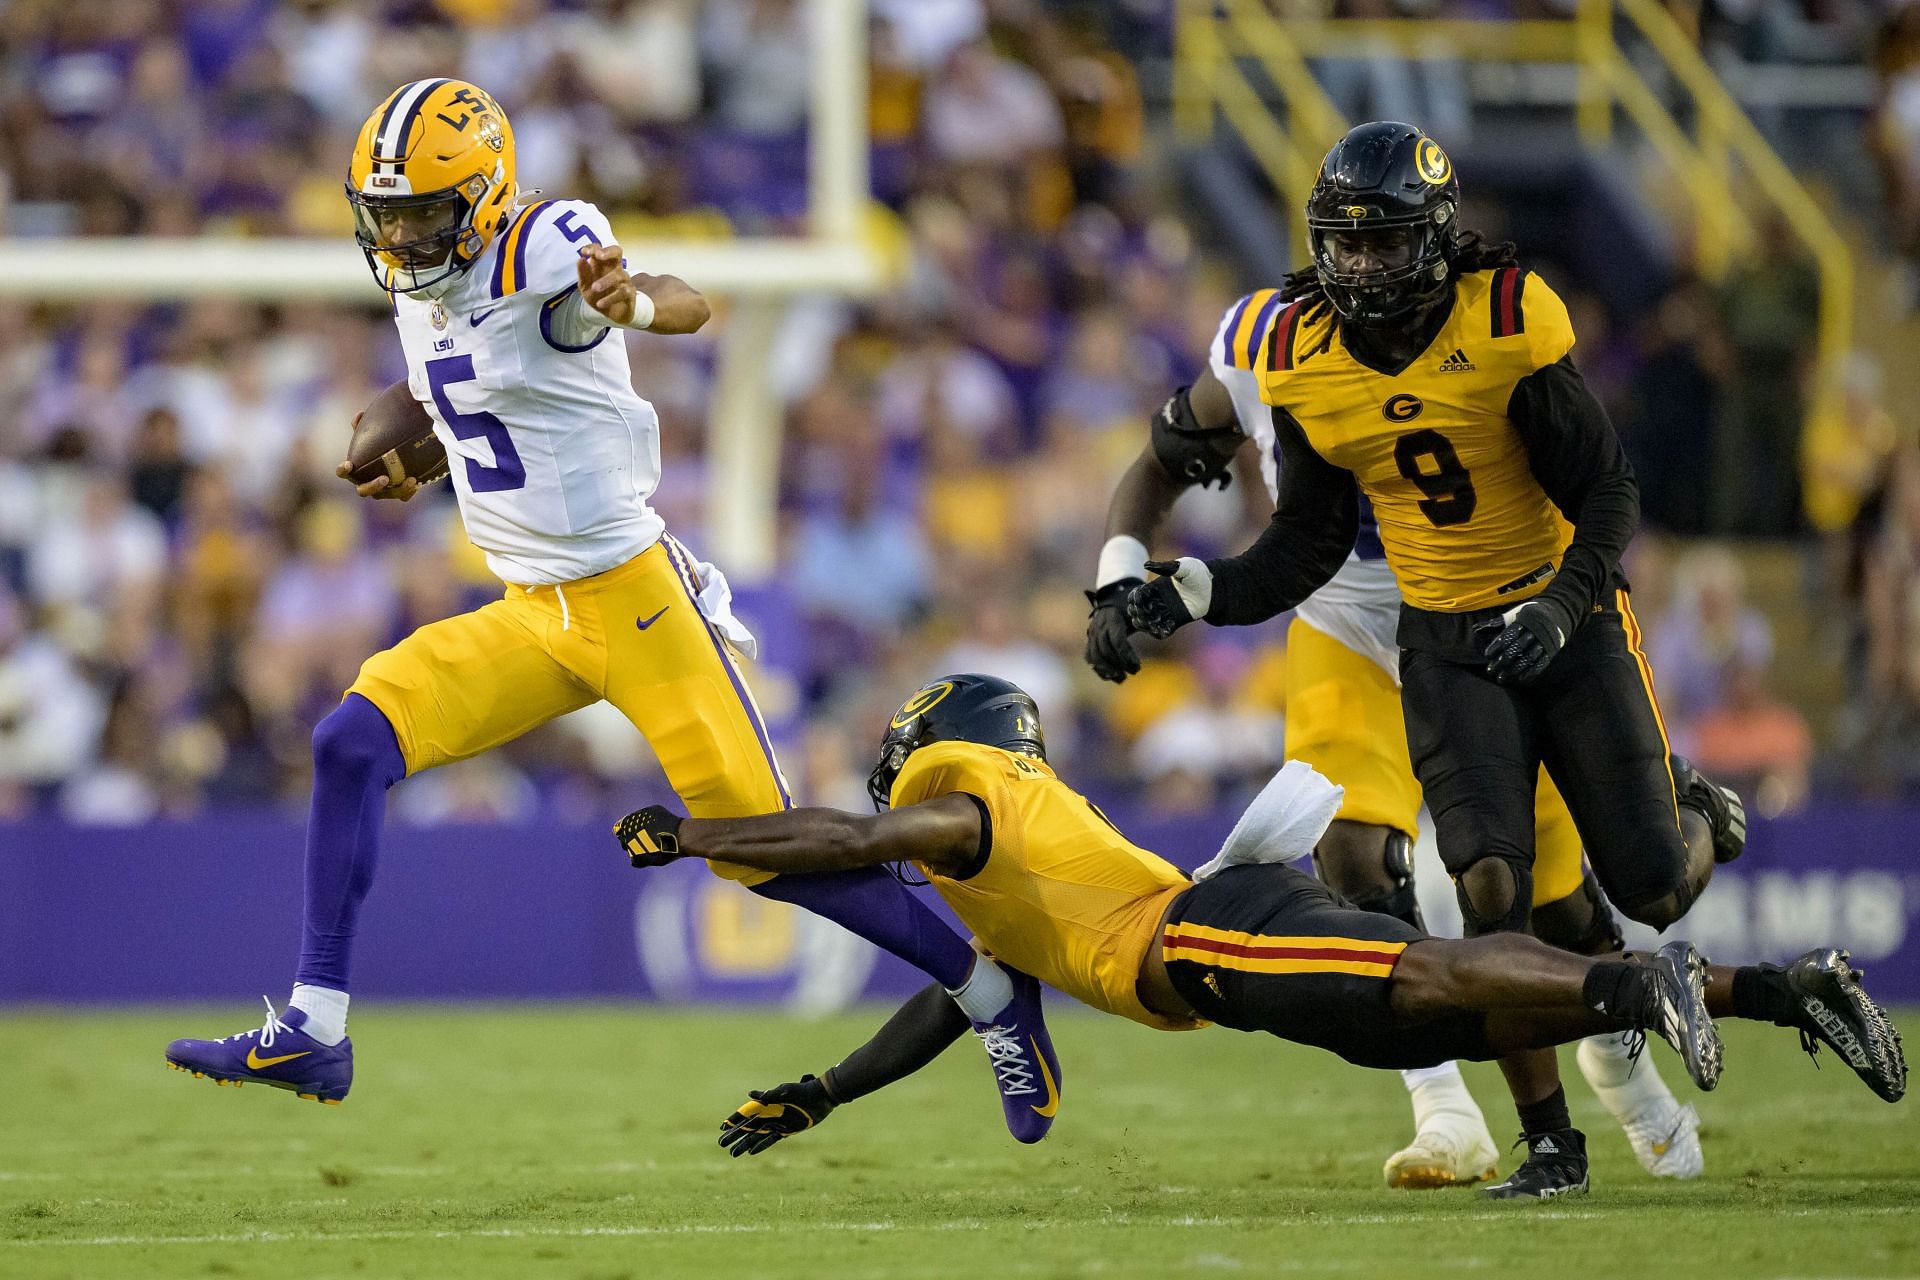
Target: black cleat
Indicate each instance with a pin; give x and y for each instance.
(1835, 1011)
(1721, 806)
(1556, 1165)
(1678, 1011)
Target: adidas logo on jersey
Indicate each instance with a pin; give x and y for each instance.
(1457, 362)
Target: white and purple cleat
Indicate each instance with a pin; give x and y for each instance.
(1024, 1065)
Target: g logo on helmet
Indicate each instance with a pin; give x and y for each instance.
(1401, 408)
(1356, 211)
(920, 703)
(1432, 162)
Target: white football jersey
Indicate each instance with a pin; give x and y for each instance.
(553, 453)
(1360, 606)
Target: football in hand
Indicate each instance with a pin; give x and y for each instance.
(394, 438)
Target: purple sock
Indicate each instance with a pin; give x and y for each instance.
(355, 759)
(874, 905)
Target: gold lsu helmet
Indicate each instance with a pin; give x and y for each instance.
(431, 180)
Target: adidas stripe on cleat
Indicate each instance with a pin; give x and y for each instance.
(1678, 1011)
(1556, 1165)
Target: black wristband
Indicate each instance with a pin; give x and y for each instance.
(1113, 595)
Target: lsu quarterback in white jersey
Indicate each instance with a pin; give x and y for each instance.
(506, 308)
(1343, 717)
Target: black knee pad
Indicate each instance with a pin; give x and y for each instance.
(1398, 901)
(1581, 922)
(1496, 895)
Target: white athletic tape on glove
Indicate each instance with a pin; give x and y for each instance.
(1194, 581)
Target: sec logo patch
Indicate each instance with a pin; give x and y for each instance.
(1401, 408)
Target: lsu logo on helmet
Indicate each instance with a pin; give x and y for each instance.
(431, 180)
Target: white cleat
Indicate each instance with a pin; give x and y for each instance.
(1667, 1140)
(1449, 1151)
(1664, 1134)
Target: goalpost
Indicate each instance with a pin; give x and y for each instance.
(759, 275)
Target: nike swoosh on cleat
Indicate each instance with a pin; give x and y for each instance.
(478, 316)
(1053, 1090)
(644, 623)
(255, 1061)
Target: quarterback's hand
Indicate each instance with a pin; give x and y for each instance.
(651, 836)
(772, 1114)
(605, 285)
(379, 486)
(1169, 602)
(1522, 650)
(1109, 650)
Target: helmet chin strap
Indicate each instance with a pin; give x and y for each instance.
(437, 290)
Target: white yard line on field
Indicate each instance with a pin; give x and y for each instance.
(961, 1224)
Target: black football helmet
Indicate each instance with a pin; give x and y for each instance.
(1385, 177)
(963, 708)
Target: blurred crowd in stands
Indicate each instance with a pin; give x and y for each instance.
(185, 587)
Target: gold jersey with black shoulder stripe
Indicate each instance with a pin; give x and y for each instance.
(1062, 895)
(1464, 523)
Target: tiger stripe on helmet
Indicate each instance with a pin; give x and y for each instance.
(390, 139)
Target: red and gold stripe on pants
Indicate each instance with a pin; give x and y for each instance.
(1266, 953)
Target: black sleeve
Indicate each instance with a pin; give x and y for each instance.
(1575, 455)
(915, 1035)
(1312, 531)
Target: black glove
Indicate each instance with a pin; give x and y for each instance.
(770, 1115)
(651, 836)
(1109, 649)
(1156, 608)
(1521, 651)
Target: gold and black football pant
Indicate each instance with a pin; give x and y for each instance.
(1591, 718)
(1267, 948)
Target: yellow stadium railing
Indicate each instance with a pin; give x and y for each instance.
(1722, 164)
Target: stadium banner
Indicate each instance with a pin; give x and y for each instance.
(210, 910)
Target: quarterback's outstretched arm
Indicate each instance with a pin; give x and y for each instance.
(634, 300)
(943, 835)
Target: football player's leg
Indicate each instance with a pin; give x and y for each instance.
(1536, 996)
(1571, 913)
(450, 690)
(1343, 718)
(1606, 746)
(677, 680)
(1474, 750)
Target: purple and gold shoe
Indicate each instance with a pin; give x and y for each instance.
(1024, 1065)
(278, 1053)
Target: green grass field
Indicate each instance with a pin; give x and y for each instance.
(578, 1141)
